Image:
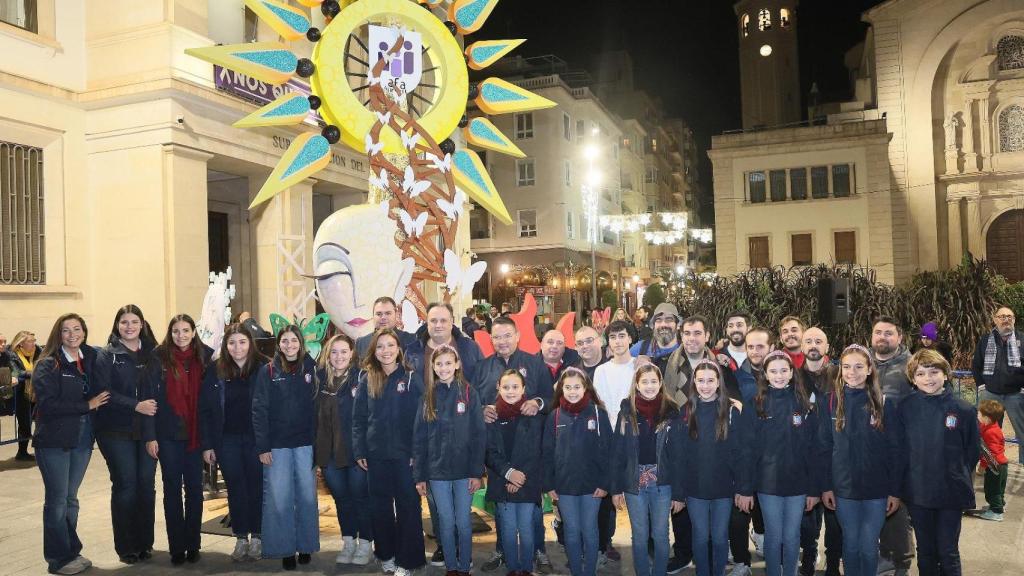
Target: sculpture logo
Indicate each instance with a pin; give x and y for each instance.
(403, 72)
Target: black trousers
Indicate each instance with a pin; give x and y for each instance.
(739, 542)
(810, 528)
(23, 413)
(605, 523)
(896, 541)
(938, 532)
(682, 548)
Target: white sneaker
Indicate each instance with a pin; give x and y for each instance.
(388, 566)
(255, 548)
(348, 550)
(543, 563)
(73, 567)
(885, 566)
(84, 561)
(241, 550)
(740, 570)
(758, 540)
(602, 561)
(399, 571)
(363, 552)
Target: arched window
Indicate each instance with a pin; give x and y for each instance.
(745, 25)
(764, 19)
(784, 17)
(1011, 129)
(1010, 50)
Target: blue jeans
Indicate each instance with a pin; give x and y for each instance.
(132, 493)
(516, 525)
(710, 522)
(1013, 404)
(538, 530)
(243, 474)
(351, 499)
(862, 523)
(648, 517)
(397, 513)
(290, 517)
(180, 468)
(782, 518)
(453, 500)
(63, 471)
(579, 521)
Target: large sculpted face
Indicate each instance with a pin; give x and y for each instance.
(355, 261)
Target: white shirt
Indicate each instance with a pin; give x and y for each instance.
(612, 382)
(738, 354)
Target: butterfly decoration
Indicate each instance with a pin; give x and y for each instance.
(410, 317)
(459, 279)
(313, 331)
(442, 164)
(409, 140)
(380, 181)
(413, 226)
(372, 147)
(411, 186)
(453, 209)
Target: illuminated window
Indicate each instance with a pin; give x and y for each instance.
(1010, 50)
(784, 17)
(764, 19)
(1011, 129)
(745, 25)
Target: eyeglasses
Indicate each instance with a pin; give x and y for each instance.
(587, 341)
(1004, 317)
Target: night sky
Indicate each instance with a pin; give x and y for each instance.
(684, 51)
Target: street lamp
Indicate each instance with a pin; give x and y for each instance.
(588, 190)
(503, 268)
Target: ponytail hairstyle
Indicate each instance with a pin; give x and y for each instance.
(667, 403)
(375, 376)
(333, 383)
(429, 407)
(875, 401)
(588, 386)
(722, 417)
(796, 381)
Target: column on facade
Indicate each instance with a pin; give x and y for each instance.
(186, 235)
(956, 245)
(985, 119)
(975, 243)
(283, 230)
(970, 157)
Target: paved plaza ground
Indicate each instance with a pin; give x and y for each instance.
(987, 548)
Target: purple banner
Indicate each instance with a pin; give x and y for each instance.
(258, 92)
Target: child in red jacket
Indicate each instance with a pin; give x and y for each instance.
(993, 459)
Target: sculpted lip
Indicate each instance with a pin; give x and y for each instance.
(356, 322)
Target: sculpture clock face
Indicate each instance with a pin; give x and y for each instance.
(433, 83)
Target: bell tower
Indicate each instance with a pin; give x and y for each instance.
(769, 70)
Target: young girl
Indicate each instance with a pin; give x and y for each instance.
(643, 474)
(383, 417)
(514, 444)
(448, 451)
(65, 404)
(173, 379)
(783, 440)
(338, 377)
(710, 454)
(118, 433)
(225, 418)
(577, 443)
(940, 444)
(859, 459)
(284, 426)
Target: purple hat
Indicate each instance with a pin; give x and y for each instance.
(930, 331)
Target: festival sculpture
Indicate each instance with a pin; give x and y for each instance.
(390, 79)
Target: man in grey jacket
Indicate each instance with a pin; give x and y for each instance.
(896, 542)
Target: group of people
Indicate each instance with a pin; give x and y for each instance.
(763, 428)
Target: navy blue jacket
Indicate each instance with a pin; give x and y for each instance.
(452, 446)
(283, 406)
(417, 353)
(627, 450)
(706, 467)
(940, 445)
(166, 425)
(382, 428)
(62, 398)
(576, 450)
(211, 406)
(746, 382)
(120, 372)
(783, 447)
(860, 462)
(570, 357)
(526, 457)
(363, 343)
(345, 398)
(539, 383)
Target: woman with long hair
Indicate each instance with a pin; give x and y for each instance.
(119, 365)
(66, 399)
(338, 381)
(383, 418)
(24, 355)
(226, 435)
(173, 379)
(284, 425)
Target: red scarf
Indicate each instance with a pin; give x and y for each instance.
(574, 408)
(649, 409)
(183, 390)
(508, 411)
(797, 358)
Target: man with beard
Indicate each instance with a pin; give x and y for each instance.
(385, 316)
(588, 346)
(791, 332)
(736, 327)
(665, 339)
(896, 542)
(997, 368)
(819, 376)
(758, 343)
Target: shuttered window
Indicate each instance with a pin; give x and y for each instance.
(22, 219)
(758, 246)
(846, 247)
(800, 245)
